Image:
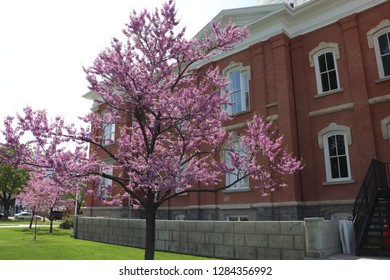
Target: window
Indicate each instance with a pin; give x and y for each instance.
(336, 158)
(323, 58)
(237, 218)
(235, 174)
(239, 77)
(335, 140)
(108, 128)
(384, 53)
(105, 185)
(379, 39)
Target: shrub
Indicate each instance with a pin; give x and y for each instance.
(66, 223)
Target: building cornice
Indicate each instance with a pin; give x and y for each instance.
(293, 22)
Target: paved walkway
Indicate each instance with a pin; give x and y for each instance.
(352, 257)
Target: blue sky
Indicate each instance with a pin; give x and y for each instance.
(45, 43)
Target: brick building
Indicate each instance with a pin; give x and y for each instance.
(321, 72)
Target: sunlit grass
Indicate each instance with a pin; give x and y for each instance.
(19, 244)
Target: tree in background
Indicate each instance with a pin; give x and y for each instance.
(43, 194)
(176, 142)
(12, 181)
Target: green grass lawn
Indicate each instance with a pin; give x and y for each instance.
(19, 244)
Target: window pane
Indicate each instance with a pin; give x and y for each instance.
(343, 167)
(325, 82)
(332, 146)
(333, 80)
(322, 63)
(330, 61)
(235, 80)
(334, 167)
(386, 64)
(236, 99)
(245, 83)
(340, 145)
(384, 44)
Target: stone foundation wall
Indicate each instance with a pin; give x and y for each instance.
(268, 240)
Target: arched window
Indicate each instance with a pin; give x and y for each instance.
(239, 77)
(379, 39)
(335, 140)
(324, 59)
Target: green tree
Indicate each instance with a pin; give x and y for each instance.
(12, 181)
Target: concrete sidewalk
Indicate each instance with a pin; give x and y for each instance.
(353, 257)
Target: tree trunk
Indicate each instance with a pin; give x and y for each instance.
(7, 204)
(150, 212)
(32, 219)
(51, 219)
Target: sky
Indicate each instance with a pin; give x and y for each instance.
(45, 43)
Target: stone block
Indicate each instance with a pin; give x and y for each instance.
(293, 228)
(189, 226)
(124, 223)
(112, 239)
(188, 248)
(164, 235)
(239, 239)
(214, 238)
(292, 254)
(174, 246)
(113, 223)
(196, 237)
(161, 245)
(123, 240)
(245, 253)
(180, 236)
(268, 254)
(205, 226)
(138, 233)
(134, 224)
(205, 250)
(172, 225)
(255, 240)
(268, 228)
(299, 242)
(223, 227)
(224, 252)
(104, 222)
(281, 241)
(160, 225)
(228, 239)
(244, 227)
(117, 231)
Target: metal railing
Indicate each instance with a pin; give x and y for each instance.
(376, 179)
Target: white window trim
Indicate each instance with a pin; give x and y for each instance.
(332, 130)
(385, 126)
(372, 38)
(322, 48)
(234, 66)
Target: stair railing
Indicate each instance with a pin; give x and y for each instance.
(375, 179)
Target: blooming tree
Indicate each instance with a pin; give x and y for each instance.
(43, 193)
(175, 142)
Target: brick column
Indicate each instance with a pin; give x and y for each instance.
(364, 137)
(286, 109)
